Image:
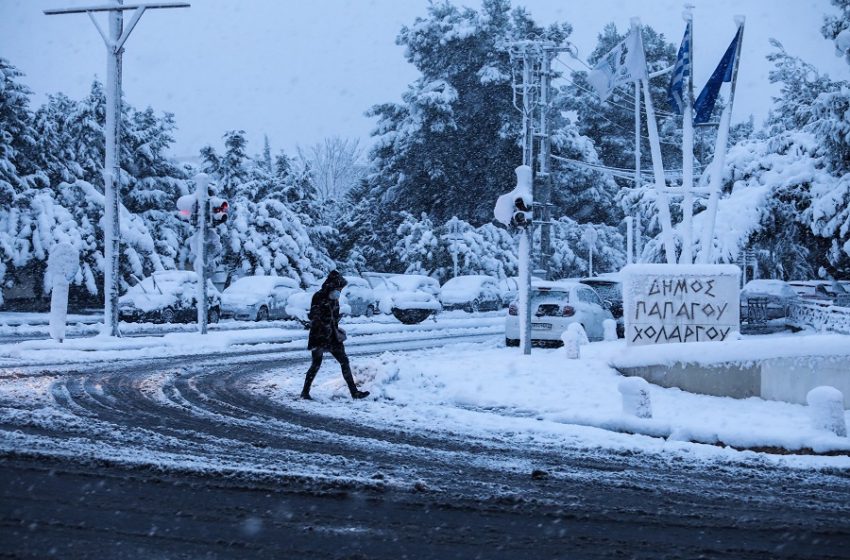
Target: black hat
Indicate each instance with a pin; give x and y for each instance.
(334, 281)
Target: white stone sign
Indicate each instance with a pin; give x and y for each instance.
(665, 303)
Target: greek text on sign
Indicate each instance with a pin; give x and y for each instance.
(680, 303)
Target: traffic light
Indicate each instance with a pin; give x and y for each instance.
(522, 213)
(218, 210)
(187, 206)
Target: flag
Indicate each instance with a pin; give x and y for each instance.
(723, 73)
(625, 63)
(675, 92)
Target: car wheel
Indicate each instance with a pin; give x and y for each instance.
(370, 310)
(511, 342)
(263, 314)
(213, 315)
(167, 315)
(411, 316)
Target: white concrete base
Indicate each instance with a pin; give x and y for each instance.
(790, 379)
(786, 379)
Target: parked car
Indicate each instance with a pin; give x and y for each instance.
(610, 291)
(412, 297)
(827, 292)
(258, 298)
(471, 293)
(554, 306)
(359, 296)
(378, 281)
(765, 305)
(298, 305)
(168, 297)
(508, 289)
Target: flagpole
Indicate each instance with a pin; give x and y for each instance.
(688, 151)
(707, 242)
(638, 181)
(662, 203)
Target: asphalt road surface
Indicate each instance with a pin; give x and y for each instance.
(183, 458)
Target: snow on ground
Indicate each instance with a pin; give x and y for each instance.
(285, 335)
(491, 391)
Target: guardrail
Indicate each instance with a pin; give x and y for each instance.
(822, 317)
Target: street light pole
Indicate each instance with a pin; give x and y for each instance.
(114, 42)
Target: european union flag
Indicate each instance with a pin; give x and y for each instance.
(675, 92)
(723, 73)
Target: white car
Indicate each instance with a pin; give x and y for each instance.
(258, 298)
(168, 296)
(471, 293)
(359, 296)
(412, 297)
(298, 305)
(554, 306)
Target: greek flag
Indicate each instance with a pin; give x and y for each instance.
(676, 92)
(723, 73)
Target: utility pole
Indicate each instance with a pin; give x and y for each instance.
(114, 42)
(544, 183)
(202, 181)
(527, 233)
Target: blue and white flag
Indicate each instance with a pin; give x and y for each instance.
(723, 73)
(625, 63)
(676, 91)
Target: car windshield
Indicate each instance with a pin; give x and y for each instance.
(409, 283)
(560, 295)
(165, 285)
(464, 283)
(253, 284)
(607, 290)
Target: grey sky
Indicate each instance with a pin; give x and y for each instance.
(300, 71)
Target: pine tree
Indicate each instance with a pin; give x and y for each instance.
(17, 138)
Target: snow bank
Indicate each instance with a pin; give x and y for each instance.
(741, 351)
(488, 391)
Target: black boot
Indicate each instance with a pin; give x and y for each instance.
(349, 380)
(308, 381)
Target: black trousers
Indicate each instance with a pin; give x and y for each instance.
(337, 352)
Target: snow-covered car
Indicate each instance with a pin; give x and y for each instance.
(765, 304)
(826, 292)
(412, 297)
(298, 305)
(508, 289)
(380, 287)
(471, 293)
(167, 297)
(556, 305)
(610, 291)
(359, 296)
(258, 298)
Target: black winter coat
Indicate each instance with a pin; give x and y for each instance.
(324, 315)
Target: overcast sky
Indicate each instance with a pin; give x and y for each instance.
(299, 71)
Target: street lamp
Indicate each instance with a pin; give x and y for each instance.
(114, 42)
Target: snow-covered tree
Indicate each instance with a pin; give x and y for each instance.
(17, 138)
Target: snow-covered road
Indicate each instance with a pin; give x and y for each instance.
(201, 431)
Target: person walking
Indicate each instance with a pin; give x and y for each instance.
(325, 334)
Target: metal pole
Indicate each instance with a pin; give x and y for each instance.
(630, 241)
(112, 174)
(545, 183)
(525, 240)
(707, 242)
(202, 181)
(114, 41)
(637, 160)
(688, 155)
